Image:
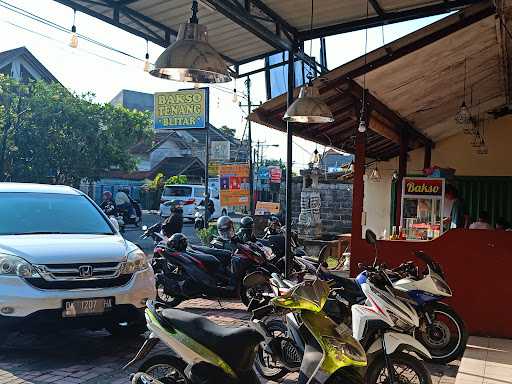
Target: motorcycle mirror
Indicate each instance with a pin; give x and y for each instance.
(114, 222)
(371, 237)
(144, 228)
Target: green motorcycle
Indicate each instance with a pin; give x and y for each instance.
(202, 352)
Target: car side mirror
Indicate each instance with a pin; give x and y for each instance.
(371, 237)
(114, 222)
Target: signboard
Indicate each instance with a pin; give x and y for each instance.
(265, 208)
(263, 173)
(234, 185)
(275, 174)
(423, 187)
(220, 150)
(186, 109)
(213, 169)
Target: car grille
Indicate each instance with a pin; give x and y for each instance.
(84, 271)
(79, 276)
(80, 284)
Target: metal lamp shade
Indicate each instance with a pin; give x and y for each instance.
(191, 59)
(308, 108)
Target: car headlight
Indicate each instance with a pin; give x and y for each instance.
(441, 285)
(135, 262)
(16, 266)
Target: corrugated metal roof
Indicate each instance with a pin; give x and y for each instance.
(158, 20)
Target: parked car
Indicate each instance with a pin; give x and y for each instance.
(189, 196)
(63, 263)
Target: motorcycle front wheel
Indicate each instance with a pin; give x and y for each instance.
(446, 337)
(257, 292)
(167, 369)
(168, 299)
(264, 362)
(406, 370)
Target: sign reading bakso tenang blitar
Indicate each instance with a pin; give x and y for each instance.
(181, 109)
(422, 186)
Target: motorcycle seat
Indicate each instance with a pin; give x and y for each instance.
(210, 262)
(351, 289)
(236, 346)
(223, 255)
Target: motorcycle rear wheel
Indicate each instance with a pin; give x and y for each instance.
(407, 370)
(446, 337)
(168, 369)
(165, 298)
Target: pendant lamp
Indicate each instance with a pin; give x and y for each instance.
(309, 108)
(191, 58)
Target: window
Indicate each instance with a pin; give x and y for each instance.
(199, 191)
(177, 191)
(33, 213)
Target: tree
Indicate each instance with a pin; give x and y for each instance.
(50, 134)
(229, 132)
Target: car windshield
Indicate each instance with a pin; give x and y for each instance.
(47, 213)
(177, 191)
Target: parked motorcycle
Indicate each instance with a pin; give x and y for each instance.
(190, 272)
(203, 352)
(381, 327)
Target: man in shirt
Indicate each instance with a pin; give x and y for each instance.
(482, 222)
(454, 215)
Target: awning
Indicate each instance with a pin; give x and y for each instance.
(415, 86)
(244, 30)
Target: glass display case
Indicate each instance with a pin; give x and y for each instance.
(422, 207)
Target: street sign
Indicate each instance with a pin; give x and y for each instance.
(275, 174)
(186, 109)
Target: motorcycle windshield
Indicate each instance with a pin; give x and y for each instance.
(309, 295)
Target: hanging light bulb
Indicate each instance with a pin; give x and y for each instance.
(147, 65)
(191, 58)
(395, 175)
(352, 166)
(73, 43)
(315, 159)
(362, 125)
(483, 150)
(463, 116)
(235, 96)
(375, 174)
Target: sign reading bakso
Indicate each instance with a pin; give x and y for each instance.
(186, 109)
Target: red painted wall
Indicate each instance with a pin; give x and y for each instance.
(478, 267)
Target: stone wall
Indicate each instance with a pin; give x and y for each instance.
(336, 209)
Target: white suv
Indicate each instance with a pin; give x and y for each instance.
(63, 263)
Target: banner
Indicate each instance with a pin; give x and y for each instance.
(275, 174)
(234, 185)
(184, 109)
(265, 208)
(220, 150)
(423, 187)
(213, 169)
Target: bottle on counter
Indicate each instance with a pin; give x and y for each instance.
(393, 234)
(401, 234)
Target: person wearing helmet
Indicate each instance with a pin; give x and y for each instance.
(227, 238)
(274, 226)
(107, 204)
(246, 231)
(178, 242)
(174, 223)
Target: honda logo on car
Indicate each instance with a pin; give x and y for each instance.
(85, 271)
(423, 187)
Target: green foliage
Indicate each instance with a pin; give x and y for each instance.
(156, 183)
(229, 132)
(178, 179)
(207, 234)
(51, 135)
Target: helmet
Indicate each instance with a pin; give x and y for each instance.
(107, 195)
(178, 242)
(225, 228)
(174, 205)
(247, 222)
(274, 220)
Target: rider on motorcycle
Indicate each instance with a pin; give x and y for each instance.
(227, 238)
(246, 231)
(108, 205)
(274, 226)
(123, 202)
(174, 223)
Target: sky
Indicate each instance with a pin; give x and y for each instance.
(92, 68)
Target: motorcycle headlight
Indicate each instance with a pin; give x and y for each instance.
(16, 266)
(441, 285)
(135, 262)
(351, 353)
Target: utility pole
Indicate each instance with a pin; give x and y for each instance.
(249, 137)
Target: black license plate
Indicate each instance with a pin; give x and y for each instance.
(87, 307)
